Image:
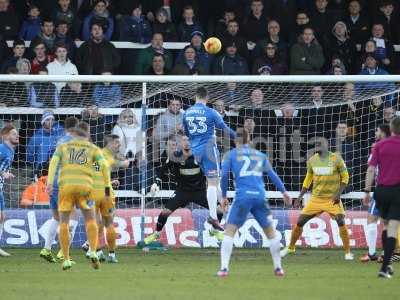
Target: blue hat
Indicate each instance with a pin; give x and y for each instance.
(47, 114)
(197, 33)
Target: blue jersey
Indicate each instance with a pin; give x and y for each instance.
(248, 167)
(64, 139)
(199, 123)
(6, 159)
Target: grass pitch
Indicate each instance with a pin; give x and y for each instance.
(190, 274)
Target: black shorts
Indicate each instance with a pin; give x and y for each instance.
(181, 199)
(388, 202)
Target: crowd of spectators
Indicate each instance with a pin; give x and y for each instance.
(258, 36)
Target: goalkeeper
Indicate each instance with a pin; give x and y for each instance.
(190, 187)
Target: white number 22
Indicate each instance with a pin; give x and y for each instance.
(257, 170)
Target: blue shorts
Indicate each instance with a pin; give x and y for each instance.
(373, 210)
(54, 197)
(1, 201)
(257, 207)
(208, 159)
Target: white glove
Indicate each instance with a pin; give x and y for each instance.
(154, 189)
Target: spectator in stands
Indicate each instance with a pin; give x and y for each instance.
(13, 93)
(43, 94)
(145, 58)
(97, 54)
(202, 57)
(18, 52)
(136, 180)
(384, 48)
(100, 16)
(35, 193)
(284, 12)
(65, 14)
(337, 69)
(61, 65)
(72, 95)
(270, 63)
(190, 64)
(371, 67)
(9, 21)
(46, 36)
(388, 114)
(369, 49)
(222, 24)
(390, 21)
(341, 46)
(43, 141)
(41, 59)
(317, 94)
(232, 34)
(273, 36)
(32, 25)
(135, 28)
(158, 66)
(358, 24)
(343, 144)
(223, 141)
(168, 124)
(322, 21)
(255, 23)
(97, 124)
(164, 26)
(107, 94)
(306, 57)
(302, 21)
(230, 63)
(129, 131)
(347, 111)
(23, 66)
(63, 37)
(188, 25)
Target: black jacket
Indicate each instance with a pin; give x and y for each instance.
(84, 60)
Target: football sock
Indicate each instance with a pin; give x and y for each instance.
(220, 215)
(100, 240)
(274, 247)
(296, 233)
(344, 235)
(51, 234)
(91, 232)
(212, 199)
(162, 219)
(372, 235)
(384, 238)
(64, 239)
(389, 248)
(111, 237)
(226, 251)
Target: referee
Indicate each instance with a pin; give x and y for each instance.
(191, 187)
(386, 159)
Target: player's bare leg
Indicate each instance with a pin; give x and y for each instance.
(212, 199)
(2, 219)
(296, 233)
(344, 235)
(92, 234)
(372, 235)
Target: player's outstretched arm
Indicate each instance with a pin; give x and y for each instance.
(219, 123)
(276, 180)
(226, 167)
(344, 179)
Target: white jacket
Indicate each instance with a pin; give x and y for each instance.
(56, 68)
(130, 138)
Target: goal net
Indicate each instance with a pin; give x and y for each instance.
(284, 115)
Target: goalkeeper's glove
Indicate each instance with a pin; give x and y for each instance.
(155, 187)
